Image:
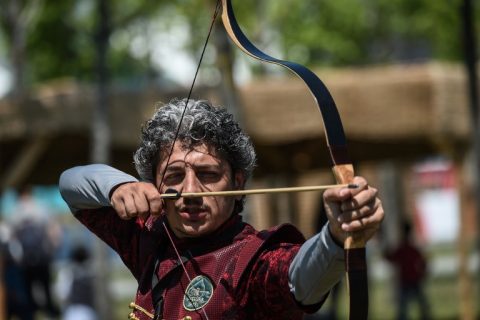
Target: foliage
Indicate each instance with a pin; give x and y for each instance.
(52, 45)
(61, 40)
(346, 32)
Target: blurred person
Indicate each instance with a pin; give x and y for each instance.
(3, 299)
(76, 286)
(17, 302)
(411, 267)
(38, 236)
(195, 257)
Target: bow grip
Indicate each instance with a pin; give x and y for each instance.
(344, 174)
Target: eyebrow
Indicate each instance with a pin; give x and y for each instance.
(179, 165)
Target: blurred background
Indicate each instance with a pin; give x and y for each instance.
(78, 78)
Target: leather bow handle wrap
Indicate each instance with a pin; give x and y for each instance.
(342, 168)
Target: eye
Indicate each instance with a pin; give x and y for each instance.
(173, 178)
(209, 176)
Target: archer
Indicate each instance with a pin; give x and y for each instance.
(194, 258)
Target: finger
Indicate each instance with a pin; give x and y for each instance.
(154, 201)
(343, 193)
(361, 184)
(156, 206)
(130, 207)
(118, 201)
(363, 198)
(337, 195)
(141, 205)
(360, 212)
(364, 224)
(367, 222)
(118, 205)
(121, 212)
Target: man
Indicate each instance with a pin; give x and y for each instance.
(411, 266)
(194, 258)
(38, 236)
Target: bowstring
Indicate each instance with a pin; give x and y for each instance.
(177, 132)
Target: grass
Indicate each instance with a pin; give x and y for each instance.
(442, 293)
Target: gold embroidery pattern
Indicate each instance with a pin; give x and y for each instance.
(136, 307)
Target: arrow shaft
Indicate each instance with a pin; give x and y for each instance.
(233, 193)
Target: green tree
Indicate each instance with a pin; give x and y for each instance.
(352, 32)
(59, 40)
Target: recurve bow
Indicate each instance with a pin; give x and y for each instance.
(354, 246)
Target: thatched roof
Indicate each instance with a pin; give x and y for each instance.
(390, 102)
(66, 106)
(380, 103)
(387, 112)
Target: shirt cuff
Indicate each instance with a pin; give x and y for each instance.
(317, 267)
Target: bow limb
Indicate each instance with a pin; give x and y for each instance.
(355, 257)
(342, 168)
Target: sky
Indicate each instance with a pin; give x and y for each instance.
(166, 49)
(5, 81)
(172, 59)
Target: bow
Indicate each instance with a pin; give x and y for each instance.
(355, 261)
(342, 168)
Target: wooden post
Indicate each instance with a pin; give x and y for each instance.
(470, 58)
(465, 279)
(3, 314)
(100, 149)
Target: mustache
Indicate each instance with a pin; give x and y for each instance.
(193, 207)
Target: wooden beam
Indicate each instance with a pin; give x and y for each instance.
(21, 167)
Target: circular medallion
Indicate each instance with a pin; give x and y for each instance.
(198, 293)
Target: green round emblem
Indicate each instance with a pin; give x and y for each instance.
(198, 293)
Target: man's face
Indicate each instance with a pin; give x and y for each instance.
(198, 170)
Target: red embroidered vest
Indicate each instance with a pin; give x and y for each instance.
(217, 278)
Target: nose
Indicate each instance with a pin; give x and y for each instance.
(191, 182)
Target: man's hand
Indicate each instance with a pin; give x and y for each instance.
(136, 199)
(353, 210)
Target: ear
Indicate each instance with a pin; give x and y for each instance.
(239, 182)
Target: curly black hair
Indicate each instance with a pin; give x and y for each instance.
(202, 123)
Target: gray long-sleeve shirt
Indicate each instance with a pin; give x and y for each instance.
(317, 267)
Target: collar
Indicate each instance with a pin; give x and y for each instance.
(224, 234)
